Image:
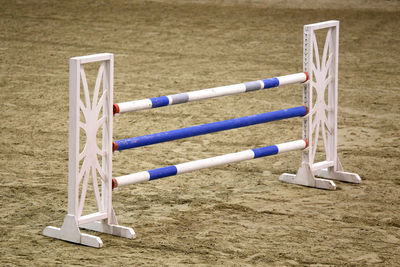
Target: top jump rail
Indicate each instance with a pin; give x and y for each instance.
(162, 101)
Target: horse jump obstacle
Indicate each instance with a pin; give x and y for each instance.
(319, 118)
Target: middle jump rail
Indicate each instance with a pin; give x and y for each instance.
(213, 127)
(162, 101)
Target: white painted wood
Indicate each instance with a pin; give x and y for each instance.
(323, 25)
(93, 58)
(80, 175)
(321, 121)
(107, 139)
(73, 139)
(70, 232)
(104, 227)
(305, 177)
(322, 165)
(92, 217)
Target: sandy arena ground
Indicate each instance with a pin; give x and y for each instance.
(234, 215)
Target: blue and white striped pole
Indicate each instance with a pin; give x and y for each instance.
(145, 176)
(208, 128)
(208, 93)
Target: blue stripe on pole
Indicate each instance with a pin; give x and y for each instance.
(269, 83)
(163, 172)
(265, 151)
(210, 128)
(159, 101)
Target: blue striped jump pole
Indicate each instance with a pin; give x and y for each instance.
(162, 101)
(145, 176)
(156, 138)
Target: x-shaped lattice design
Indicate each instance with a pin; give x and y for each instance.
(91, 112)
(321, 77)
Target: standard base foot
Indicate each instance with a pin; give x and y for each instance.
(339, 175)
(315, 182)
(84, 239)
(306, 177)
(112, 229)
(69, 231)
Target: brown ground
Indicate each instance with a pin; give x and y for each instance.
(238, 214)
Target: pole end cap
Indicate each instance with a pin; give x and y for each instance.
(306, 141)
(307, 77)
(114, 146)
(115, 109)
(114, 183)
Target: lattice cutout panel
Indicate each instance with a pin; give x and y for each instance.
(319, 83)
(91, 167)
(321, 93)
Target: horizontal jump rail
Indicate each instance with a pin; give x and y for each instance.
(163, 172)
(162, 101)
(213, 127)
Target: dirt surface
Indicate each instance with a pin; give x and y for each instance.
(239, 214)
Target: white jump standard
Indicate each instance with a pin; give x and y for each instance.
(89, 114)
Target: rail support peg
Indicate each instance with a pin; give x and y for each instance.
(90, 115)
(322, 118)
